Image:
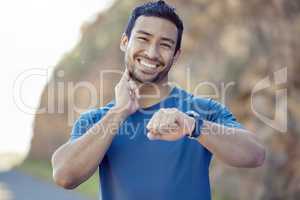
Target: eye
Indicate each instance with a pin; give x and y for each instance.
(143, 39)
(166, 45)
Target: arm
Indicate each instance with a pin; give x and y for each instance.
(236, 147)
(74, 162)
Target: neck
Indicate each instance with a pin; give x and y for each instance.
(152, 93)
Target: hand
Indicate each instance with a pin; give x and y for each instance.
(126, 95)
(170, 124)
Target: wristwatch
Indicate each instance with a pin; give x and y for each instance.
(198, 124)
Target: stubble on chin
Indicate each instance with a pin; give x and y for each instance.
(158, 78)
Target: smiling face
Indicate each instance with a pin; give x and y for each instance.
(150, 51)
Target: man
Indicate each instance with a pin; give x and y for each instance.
(153, 141)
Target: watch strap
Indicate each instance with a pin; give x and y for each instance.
(198, 124)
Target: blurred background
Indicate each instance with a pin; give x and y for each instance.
(49, 48)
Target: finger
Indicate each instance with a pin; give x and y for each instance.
(163, 124)
(153, 134)
(151, 122)
(166, 137)
(170, 118)
(169, 129)
(125, 75)
(173, 128)
(156, 123)
(154, 130)
(134, 87)
(166, 119)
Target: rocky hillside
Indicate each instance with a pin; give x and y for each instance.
(236, 41)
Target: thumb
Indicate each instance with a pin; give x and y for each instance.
(152, 136)
(134, 87)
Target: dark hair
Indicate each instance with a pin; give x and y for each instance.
(156, 9)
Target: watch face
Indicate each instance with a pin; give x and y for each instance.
(192, 113)
(198, 124)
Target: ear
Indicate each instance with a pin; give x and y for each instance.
(176, 56)
(124, 42)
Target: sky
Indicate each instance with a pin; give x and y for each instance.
(34, 35)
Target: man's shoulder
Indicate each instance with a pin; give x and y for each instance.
(95, 114)
(87, 119)
(201, 104)
(190, 98)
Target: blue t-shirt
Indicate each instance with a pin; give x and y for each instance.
(135, 167)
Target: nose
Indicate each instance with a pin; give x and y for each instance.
(152, 52)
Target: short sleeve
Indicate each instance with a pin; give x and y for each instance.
(220, 114)
(84, 123)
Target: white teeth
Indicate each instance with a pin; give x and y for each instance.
(147, 64)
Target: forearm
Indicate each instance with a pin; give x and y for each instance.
(236, 147)
(76, 161)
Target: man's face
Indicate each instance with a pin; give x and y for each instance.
(149, 53)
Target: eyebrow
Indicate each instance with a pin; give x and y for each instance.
(163, 38)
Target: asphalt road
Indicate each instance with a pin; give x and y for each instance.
(15, 185)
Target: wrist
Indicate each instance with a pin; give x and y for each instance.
(191, 125)
(198, 124)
